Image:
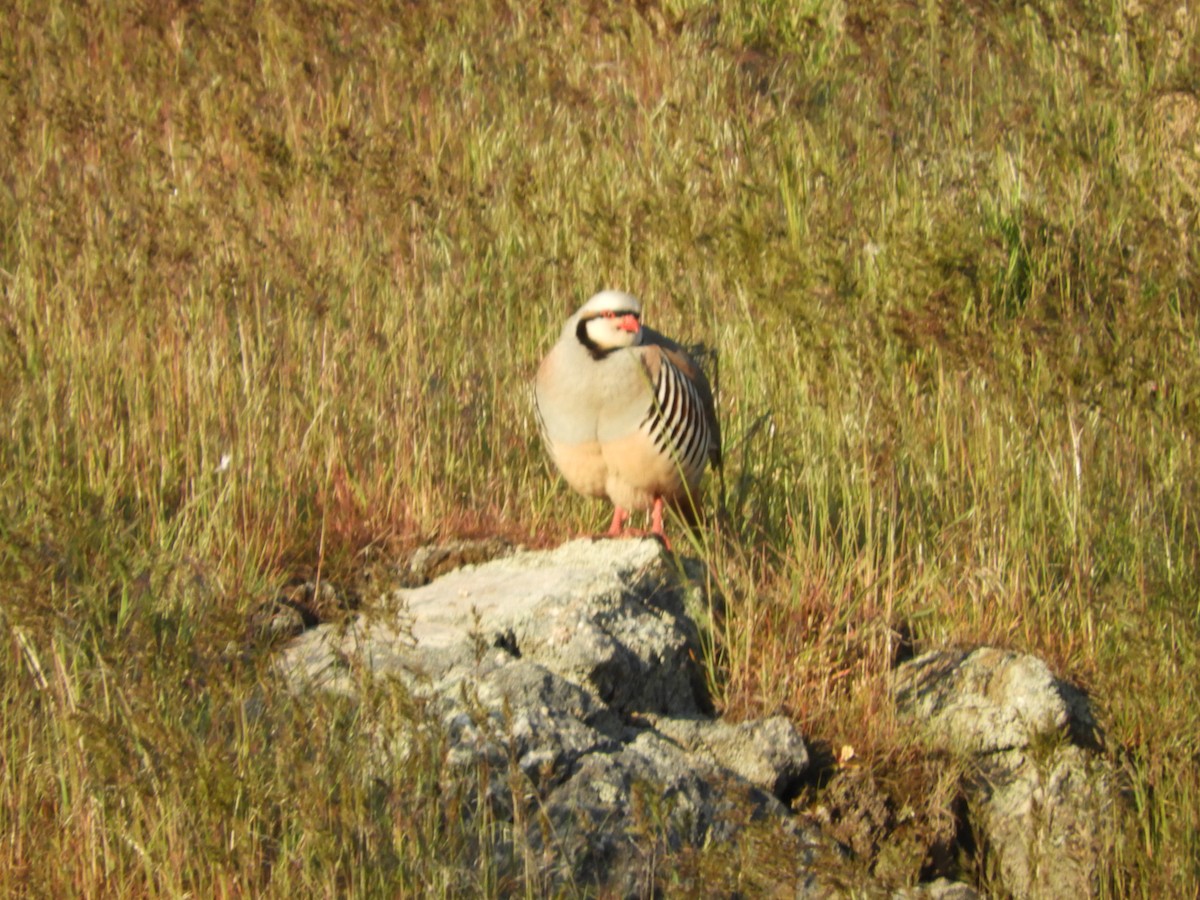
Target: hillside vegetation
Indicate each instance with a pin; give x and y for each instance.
(275, 279)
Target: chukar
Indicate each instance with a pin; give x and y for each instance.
(625, 412)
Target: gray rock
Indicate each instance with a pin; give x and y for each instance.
(567, 685)
(606, 615)
(426, 563)
(768, 753)
(941, 889)
(298, 608)
(1049, 815)
(1041, 797)
(986, 700)
(578, 667)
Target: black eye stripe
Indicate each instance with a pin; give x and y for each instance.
(613, 314)
(596, 351)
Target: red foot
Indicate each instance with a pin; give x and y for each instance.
(621, 518)
(656, 522)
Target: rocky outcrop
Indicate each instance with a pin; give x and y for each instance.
(580, 665)
(574, 674)
(1042, 799)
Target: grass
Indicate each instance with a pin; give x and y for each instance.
(275, 279)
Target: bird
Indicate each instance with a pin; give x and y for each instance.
(625, 414)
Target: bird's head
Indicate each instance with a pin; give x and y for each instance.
(610, 321)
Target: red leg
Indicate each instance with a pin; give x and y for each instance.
(656, 522)
(620, 517)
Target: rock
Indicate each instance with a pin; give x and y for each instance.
(1049, 816)
(989, 700)
(566, 688)
(579, 666)
(301, 606)
(1041, 797)
(769, 754)
(606, 615)
(941, 889)
(427, 563)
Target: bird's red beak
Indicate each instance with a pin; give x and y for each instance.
(629, 322)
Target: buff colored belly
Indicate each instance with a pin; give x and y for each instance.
(583, 467)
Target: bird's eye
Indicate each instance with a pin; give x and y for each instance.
(609, 314)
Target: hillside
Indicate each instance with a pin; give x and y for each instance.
(276, 277)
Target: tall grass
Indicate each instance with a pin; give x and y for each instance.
(275, 278)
